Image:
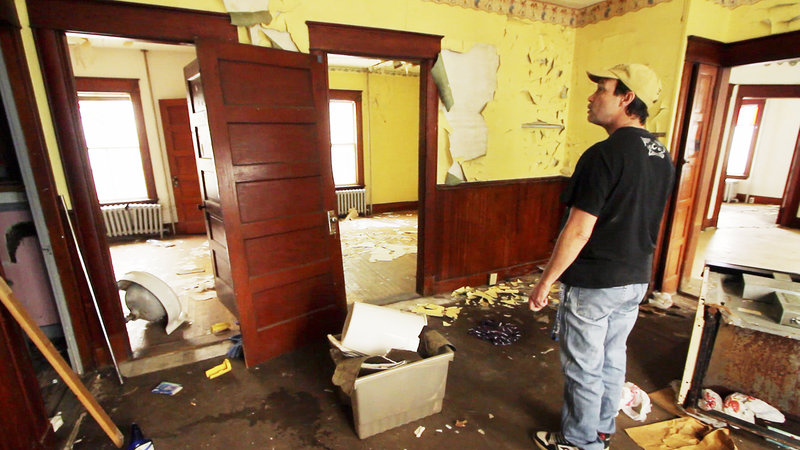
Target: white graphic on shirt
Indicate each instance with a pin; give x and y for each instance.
(654, 148)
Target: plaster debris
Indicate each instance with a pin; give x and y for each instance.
(418, 432)
(461, 423)
(481, 431)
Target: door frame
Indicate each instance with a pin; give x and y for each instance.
(50, 20)
(327, 38)
(763, 91)
(723, 55)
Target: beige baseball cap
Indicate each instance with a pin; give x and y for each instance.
(639, 78)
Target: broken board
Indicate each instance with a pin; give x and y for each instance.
(49, 351)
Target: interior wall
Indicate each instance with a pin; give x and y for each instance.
(772, 157)
(166, 77)
(390, 122)
(654, 36)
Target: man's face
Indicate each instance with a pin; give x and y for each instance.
(604, 106)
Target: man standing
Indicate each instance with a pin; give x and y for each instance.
(603, 256)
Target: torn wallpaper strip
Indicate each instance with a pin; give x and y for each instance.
(248, 12)
(473, 79)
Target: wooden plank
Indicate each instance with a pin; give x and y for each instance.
(62, 368)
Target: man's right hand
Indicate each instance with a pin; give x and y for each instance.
(539, 296)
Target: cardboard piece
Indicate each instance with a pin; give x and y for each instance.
(375, 330)
(682, 433)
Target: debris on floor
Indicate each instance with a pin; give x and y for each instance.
(393, 341)
(167, 388)
(684, 432)
(237, 349)
(163, 244)
(220, 327)
(220, 369)
(188, 270)
(418, 432)
(430, 309)
(496, 332)
(635, 402)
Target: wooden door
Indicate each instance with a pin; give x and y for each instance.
(260, 125)
(688, 160)
(182, 167)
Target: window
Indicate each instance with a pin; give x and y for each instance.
(113, 126)
(347, 157)
(745, 134)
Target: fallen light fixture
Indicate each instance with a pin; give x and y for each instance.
(151, 299)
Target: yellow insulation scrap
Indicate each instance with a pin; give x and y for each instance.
(429, 309)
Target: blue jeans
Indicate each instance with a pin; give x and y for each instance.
(593, 327)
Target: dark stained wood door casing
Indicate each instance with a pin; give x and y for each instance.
(260, 125)
(687, 162)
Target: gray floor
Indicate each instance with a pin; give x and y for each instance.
(502, 392)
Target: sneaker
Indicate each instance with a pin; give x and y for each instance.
(548, 440)
(606, 439)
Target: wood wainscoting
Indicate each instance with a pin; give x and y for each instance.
(378, 208)
(507, 227)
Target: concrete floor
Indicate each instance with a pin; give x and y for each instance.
(289, 402)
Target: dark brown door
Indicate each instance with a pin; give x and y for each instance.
(688, 160)
(182, 167)
(260, 125)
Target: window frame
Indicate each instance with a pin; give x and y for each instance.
(128, 86)
(355, 97)
(761, 102)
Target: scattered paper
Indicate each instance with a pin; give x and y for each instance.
(167, 388)
(418, 432)
(56, 422)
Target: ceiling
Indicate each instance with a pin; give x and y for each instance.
(371, 64)
(93, 40)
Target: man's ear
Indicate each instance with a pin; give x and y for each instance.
(628, 98)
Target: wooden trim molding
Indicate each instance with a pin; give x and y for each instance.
(758, 199)
(89, 226)
(129, 86)
(759, 102)
(364, 41)
(131, 20)
(378, 208)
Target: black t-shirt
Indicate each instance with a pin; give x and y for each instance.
(624, 181)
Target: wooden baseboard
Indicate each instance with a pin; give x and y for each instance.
(759, 199)
(378, 208)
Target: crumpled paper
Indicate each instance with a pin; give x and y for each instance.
(683, 433)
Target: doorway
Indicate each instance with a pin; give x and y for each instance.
(131, 97)
(374, 115)
(752, 178)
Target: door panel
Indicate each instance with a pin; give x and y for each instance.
(180, 154)
(689, 158)
(266, 158)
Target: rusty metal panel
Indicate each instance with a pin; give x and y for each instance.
(763, 365)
